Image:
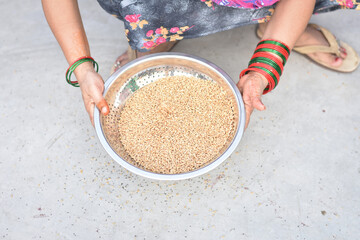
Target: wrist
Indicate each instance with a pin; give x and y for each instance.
(261, 78)
(266, 66)
(82, 70)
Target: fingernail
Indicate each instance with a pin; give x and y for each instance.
(104, 110)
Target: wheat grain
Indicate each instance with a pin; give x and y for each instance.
(176, 124)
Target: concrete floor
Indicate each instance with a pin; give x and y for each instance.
(294, 175)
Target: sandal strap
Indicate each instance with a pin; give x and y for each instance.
(334, 47)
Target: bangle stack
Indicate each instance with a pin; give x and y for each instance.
(269, 60)
(72, 67)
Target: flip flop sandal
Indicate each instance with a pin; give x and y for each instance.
(349, 64)
(133, 54)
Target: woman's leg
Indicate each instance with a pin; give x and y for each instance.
(312, 36)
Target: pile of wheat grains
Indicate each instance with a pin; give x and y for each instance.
(176, 124)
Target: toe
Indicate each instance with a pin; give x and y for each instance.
(336, 61)
(328, 58)
(343, 52)
(119, 62)
(122, 57)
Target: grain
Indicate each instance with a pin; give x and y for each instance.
(176, 124)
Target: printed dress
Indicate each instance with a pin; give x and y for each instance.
(149, 23)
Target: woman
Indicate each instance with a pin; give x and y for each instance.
(155, 25)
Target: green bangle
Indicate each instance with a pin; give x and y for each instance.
(275, 43)
(273, 51)
(268, 62)
(73, 66)
(270, 73)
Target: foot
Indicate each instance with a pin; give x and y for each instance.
(131, 54)
(121, 61)
(313, 36)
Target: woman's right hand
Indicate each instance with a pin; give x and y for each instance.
(92, 88)
(65, 22)
(251, 87)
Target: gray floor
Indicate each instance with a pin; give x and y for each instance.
(294, 175)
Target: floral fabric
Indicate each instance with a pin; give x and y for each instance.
(245, 4)
(149, 23)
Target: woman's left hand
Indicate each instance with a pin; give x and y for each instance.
(251, 87)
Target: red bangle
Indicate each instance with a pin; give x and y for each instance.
(287, 48)
(268, 67)
(268, 59)
(274, 47)
(267, 76)
(271, 83)
(73, 66)
(78, 60)
(270, 56)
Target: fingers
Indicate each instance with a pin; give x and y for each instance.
(94, 98)
(257, 104)
(248, 110)
(103, 107)
(100, 102)
(92, 87)
(89, 106)
(250, 105)
(91, 113)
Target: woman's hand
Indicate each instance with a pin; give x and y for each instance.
(251, 87)
(92, 87)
